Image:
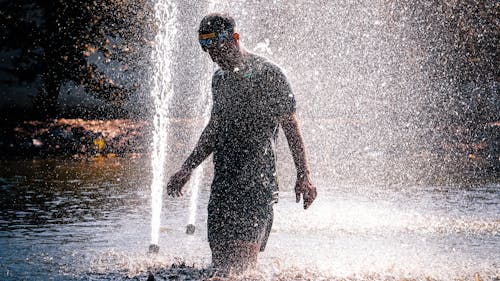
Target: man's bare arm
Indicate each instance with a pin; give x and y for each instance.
(289, 123)
(202, 150)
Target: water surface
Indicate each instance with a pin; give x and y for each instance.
(90, 220)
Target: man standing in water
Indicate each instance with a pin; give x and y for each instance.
(251, 98)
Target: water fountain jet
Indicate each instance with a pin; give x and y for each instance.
(162, 92)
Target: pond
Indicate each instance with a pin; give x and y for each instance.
(90, 220)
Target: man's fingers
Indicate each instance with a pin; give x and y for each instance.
(307, 202)
(305, 197)
(298, 192)
(174, 186)
(309, 196)
(173, 191)
(177, 192)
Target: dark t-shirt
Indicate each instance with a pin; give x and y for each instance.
(247, 105)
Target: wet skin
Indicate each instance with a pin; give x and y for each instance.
(237, 256)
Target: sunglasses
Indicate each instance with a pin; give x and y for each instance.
(212, 40)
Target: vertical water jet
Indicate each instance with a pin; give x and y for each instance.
(161, 93)
(203, 105)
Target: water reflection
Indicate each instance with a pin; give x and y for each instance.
(44, 193)
(81, 220)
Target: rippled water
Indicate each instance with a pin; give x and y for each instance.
(90, 220)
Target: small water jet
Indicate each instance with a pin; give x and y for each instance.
(202, 105)
(193, 202)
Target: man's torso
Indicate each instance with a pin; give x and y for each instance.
(247, 104)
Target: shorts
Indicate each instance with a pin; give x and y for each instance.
(229, 221)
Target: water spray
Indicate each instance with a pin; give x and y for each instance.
(161, 92)
(196, 181)
(193, 204)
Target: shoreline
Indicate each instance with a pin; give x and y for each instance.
(73, 138)
(77, 138)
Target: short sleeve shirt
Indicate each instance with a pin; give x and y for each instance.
(247, 105)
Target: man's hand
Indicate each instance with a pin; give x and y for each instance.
(177, 181)
(305, 187)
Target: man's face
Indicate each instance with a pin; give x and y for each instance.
(220, 47)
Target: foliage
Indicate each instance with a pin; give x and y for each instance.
(78, 41)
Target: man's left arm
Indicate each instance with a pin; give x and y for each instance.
(303, 186)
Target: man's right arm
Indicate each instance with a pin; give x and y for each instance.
(203, 149)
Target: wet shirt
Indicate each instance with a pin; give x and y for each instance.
(247, 105)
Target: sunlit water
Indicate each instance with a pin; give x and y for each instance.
(161, 94)
(90, 220)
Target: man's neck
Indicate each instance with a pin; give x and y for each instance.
(238, 60)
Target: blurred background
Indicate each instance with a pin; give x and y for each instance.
(401, 90)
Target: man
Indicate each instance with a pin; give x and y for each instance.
(251, 98)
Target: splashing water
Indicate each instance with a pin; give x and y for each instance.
(162, 92)
(193, 202)
(203, 105)
(196, 181)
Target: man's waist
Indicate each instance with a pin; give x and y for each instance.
(238, 194)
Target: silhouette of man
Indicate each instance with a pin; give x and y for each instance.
(251, 98)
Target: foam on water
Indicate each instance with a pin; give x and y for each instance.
(351, 232)
(342, 236)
